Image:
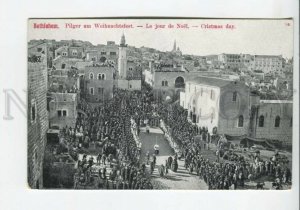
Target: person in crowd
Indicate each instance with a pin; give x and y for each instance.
(229, 175)
(108, 129)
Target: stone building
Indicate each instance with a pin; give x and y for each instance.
(63, 81)
(246, 60)
(273, 119)
(213, 62)
(37, 120)
(103, 53)
(231, 108)
(63, 110)
(217, 103)
(62, 63)
(99, 82)
(70, 52)
(230, 61)
(269, 64)
(169, 81)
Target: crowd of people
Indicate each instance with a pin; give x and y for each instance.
(108, 127)
(113, 128)
(228, 174)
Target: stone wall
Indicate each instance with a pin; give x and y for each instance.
(135, 84)
(129, 84)
(270, 111)
(37, 120)
(103, 88)
(229, 110)
(212, 106)
(170, 90)
(69, 105)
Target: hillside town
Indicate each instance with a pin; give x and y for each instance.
(116, 116)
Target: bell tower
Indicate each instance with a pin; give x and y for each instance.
(122, 61)
(174, 46)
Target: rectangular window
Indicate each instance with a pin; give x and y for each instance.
(64, 113)
(234, 96)
(103, 53)
(59, 113)
(113, 53)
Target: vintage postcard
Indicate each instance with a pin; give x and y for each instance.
(165, 104)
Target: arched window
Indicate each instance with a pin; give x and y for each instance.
(261, 121)
(241, 121)
(99, 76)
(164, 83)
(74, 52)
(179, 82)
(91, 76)
(102, 59)
(103, 77)
(234, 95)
(92, 91)
(277, 122)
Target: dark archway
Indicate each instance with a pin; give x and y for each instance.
(179, 82)
(102, 59)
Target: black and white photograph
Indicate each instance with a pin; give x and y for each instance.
(148, 105)
(160, 104)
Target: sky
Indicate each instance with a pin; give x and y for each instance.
(263, 37)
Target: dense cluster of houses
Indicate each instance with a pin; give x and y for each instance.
(237, 94)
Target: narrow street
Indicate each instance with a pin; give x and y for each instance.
(177, 181)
